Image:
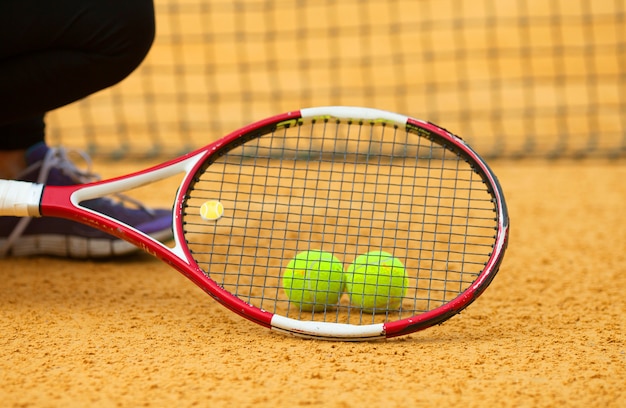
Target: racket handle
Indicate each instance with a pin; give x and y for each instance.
(20, 198)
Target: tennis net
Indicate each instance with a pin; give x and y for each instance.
(515, 78)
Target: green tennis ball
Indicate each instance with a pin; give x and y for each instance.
(313, 280)
(376, 281)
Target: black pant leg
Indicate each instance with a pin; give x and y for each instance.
(53, 53)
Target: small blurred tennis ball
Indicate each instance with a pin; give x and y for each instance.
(211, 210)
(314, 280)
(376, 281)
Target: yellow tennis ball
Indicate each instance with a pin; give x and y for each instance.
(211, 210)
(313, 280)
(376, 282)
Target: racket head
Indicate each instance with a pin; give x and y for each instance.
(347, 181)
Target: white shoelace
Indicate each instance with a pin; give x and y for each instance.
(59, 158)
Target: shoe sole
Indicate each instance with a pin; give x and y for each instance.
(75, 247)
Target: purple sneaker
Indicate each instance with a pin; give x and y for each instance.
(60, 237)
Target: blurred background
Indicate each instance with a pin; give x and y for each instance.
(515, 78)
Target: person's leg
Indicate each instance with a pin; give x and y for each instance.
(15, 139)
(55, 52)
(52, 54)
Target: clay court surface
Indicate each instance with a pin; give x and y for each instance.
(549, 331)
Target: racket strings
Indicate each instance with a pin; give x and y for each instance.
(348, 189)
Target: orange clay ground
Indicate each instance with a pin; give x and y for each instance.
(548, 332)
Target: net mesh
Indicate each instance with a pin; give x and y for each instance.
(515, 78)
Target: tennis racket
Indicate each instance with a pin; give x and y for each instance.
(343, 180)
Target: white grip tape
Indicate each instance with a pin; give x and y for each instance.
(20, 198)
